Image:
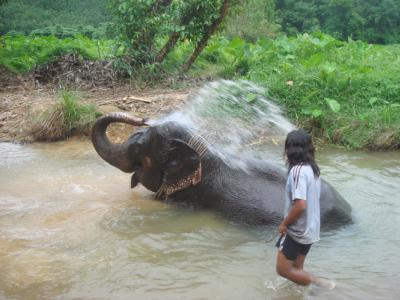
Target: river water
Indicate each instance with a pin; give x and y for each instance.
(71, 228)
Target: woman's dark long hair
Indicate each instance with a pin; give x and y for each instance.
(299, 149)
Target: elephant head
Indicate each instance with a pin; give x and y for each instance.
(165, 159)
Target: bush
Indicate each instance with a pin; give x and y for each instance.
(65, 118)
(333, 87)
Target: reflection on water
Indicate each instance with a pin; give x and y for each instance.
(71, 228)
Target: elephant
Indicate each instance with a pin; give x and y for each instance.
(178, 166)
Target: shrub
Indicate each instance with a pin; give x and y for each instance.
(67, 117)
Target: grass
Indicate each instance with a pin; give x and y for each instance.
(67, 117)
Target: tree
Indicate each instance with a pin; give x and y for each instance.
(142, 22)
(208, 32)
(138, 23)
(195, 17)
(186, 15)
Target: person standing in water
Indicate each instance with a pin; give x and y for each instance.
(300, 227)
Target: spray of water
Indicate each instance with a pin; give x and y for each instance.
(232, 117)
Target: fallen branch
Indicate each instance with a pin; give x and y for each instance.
(136, 99)
(124, 100)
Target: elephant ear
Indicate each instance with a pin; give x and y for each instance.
(182, 168)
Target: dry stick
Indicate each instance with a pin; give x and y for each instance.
(138, 99)
(133, 99)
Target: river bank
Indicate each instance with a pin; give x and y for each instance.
(23, 104)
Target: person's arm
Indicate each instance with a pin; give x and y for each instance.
(295, 212)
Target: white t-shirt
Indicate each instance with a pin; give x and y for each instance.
(302, 184)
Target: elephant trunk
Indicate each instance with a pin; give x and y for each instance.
(114, 154)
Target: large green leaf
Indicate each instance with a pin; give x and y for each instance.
(333, 104)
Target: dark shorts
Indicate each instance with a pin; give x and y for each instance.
(290, 248)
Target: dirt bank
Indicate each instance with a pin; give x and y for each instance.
(22, 102)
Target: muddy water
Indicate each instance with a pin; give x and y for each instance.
(70, 228)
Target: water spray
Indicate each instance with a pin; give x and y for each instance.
(232, 117)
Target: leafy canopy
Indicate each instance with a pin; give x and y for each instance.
(369, 20)
(143, 24)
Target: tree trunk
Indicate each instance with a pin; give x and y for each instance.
(173, 39)
(208, 33)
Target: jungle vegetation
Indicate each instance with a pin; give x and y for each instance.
(335, 73)
(24, 15)
(373, 21)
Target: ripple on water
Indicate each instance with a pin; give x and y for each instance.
(74, 230)
(15, 154)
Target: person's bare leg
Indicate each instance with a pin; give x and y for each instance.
(299, 262)
(286, 269)
(293, 270)
(323, 282)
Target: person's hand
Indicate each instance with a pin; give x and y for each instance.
(282, 228)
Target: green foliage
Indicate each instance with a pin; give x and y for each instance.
(23, 53)
(138, 24)
(346, 92)
(76, 116)
(103, 31)
(142, 24)
(25, 15)
(368, 20)
(65, 118)
(252, 20)
(192, 17)
(230, 58)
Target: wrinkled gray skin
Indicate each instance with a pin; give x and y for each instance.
(164, 155)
